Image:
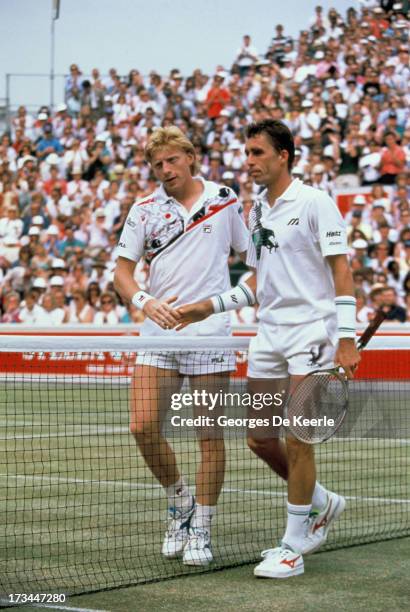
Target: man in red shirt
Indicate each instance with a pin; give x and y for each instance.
(393, 160)
(218, 97)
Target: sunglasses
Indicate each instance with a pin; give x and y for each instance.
(106, 301)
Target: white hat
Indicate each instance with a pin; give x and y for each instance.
(42, 116)
(379, 204)
(228, 175)
(58, 263)
(34, 231)
(40, 283)
(318, 169)
(222, 74)
(360, 200)
(61, 107)
(359, 244)
(37, 220)
(52, 229)
(100, 212)
(119, 168)
(100, 138)
(319, 55)
(307, 103)
(297, 171)
(56, 281)
(52, 159)
(330, 83)
(224, 113)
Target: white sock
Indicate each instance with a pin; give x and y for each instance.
(319, 498)
(179, 495)
(296, 525)
(203, 516)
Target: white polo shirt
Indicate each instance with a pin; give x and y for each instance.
(288, 245)
(187, 251)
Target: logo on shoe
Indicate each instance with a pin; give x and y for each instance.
(323, 522)
(290, 562)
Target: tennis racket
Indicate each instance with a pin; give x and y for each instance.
(317, 406)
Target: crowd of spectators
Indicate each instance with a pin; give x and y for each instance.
(69, 176)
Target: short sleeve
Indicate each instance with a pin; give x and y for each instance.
(131, 243)
(328, 226)
(240, 233)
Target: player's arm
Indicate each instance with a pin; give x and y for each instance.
(233, 299)
(125, 284)
(347, 355)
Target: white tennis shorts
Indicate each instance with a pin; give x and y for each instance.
(190, 363)
(278, 351)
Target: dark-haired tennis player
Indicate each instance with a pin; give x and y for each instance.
(185, 230)
(306, 322)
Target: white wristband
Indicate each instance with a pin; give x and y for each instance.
(140, 298)
(346, 316)
(238, 297)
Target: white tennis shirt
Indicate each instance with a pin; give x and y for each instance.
(187, 251)
(288, 245)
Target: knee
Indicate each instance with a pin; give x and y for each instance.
(261, 446)
(144, 431)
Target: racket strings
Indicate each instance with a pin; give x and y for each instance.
(317, 406)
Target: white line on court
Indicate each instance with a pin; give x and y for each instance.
(138, 485)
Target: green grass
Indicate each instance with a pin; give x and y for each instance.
(80, 511)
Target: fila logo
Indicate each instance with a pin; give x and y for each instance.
(294, 221)
(333, 234)
(207, 229)
(122, 244)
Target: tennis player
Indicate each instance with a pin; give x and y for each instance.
(184, 230)
(306, 322)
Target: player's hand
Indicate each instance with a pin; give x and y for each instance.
(161, 312)
(192, 313)
(347, 356)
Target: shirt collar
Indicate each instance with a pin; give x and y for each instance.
(289, 195)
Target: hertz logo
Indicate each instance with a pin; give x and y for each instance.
(333, 234)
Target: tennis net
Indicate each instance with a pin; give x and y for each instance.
(80, 510)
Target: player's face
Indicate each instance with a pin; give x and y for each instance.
(171, 167)
(265, 164)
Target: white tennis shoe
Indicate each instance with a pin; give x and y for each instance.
(280, 563)
(176, 536)
(320, 523)
(198, 548)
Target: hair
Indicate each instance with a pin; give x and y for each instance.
(278, 134)
(170, 136)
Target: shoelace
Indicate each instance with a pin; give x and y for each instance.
(174, 520)
(198, 538)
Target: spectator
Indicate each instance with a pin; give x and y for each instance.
(79, 311)
(107, 313)
(389, 305)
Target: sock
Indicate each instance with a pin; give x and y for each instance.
(179, 495)
(319, 498)
(203, 516)
(298, 517)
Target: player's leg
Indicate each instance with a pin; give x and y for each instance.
(211, 469)
(150, 398)
(286, 560)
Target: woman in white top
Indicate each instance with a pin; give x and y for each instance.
(107, 315)
(79, 310)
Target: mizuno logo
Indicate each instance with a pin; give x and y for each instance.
(290, 562)
(294, 221)
(333, 234)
